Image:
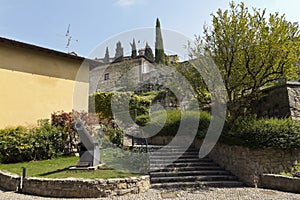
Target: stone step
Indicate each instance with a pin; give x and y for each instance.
(168, 151)
(184, 164)
(189, 173)
(176, 169)
(167, 146)
(171, 149)
(179, 160)
(196, 155)
(170, 156)
(173, 168)
(199, 184)
(193, 178)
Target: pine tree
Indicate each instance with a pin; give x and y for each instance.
(133, 49)
(106, 57)
(159, 46)
(149, 53)
(119, 52)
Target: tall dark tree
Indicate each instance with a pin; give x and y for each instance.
(119, 52)
(133, 49)
(149, 53)
(159, 46)
(106, 57)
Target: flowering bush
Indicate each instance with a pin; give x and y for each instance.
(66, 121)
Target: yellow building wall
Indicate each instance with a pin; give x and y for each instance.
(35, 84)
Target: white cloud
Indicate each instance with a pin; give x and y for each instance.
(125, 3)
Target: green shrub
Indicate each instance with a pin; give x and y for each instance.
(24, 144)
(173, 120)
(114, 134)
(142, 120)
(47, 142)
(14, 145)
(263, 133)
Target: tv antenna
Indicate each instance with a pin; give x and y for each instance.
(69, 37)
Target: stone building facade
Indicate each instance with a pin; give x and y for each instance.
(118, 76)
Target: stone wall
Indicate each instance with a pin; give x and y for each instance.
(165, 140)
(278, 182)
(77, 188)
(159, 140)
(249, 165)
(280, 101)
(294, 99)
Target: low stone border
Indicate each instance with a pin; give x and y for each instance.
(76, 188)
(9, 181)
(279, 182)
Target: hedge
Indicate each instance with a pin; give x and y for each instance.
(262, 133)
(25, 144)
(245, 131)
(173, 120)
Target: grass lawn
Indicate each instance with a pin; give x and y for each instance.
(59, 168)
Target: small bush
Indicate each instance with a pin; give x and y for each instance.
(114, 134)
(23, 144)
(47, 142)
(263, 133)
(174, 118)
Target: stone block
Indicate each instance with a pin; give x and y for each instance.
(122, 186)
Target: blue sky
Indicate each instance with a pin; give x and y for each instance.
(44, 23)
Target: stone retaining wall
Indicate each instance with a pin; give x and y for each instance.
(180, 140)
(278, 182)
(77, 188)
(249, 165)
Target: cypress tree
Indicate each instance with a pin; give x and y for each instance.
(119, 52)
(106, 57)
(149, 53)
(159, 46)
(133, 49)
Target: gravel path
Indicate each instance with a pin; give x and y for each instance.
(207, 194)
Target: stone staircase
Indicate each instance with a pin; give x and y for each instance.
(187, 171)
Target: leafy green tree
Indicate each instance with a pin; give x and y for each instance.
(149, 53)
(159, 45)
(119, 52)
(106, 57)
(133, 49)
(252, 51)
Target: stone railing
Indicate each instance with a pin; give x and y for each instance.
(76, 188)
(249, 165)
